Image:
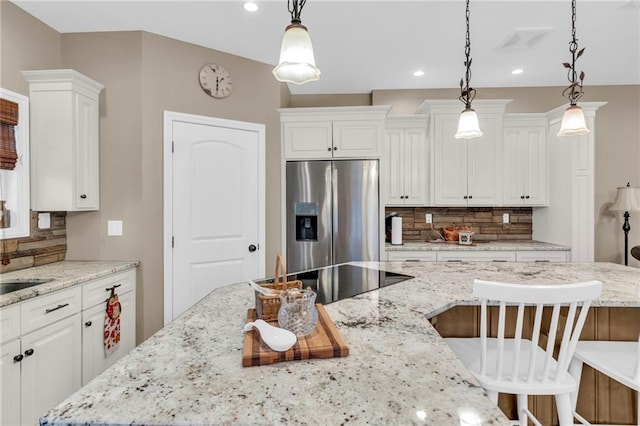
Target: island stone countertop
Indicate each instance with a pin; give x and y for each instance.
(399, 370)
(62, 275)
(478, 245)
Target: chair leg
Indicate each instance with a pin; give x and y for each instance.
(565, 413)
(575, 370)
(522, 405)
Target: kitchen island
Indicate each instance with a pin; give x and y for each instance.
(399, 370)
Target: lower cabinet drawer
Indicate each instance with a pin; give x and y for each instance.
(542, 256)
(476, 256)
(44, 310)
(97, 291)
(408, 256)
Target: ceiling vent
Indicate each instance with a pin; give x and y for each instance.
(523, 38)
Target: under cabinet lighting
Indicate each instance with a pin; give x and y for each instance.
(250, 6)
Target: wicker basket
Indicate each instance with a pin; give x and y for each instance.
(267, 307)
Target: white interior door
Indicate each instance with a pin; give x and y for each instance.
(217, 210)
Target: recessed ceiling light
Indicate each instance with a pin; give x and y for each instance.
(250, 6)
(517, 71)
(418, 73)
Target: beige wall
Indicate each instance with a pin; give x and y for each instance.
(25, 44)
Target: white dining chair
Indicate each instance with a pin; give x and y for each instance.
(618, 360)
(520, 366)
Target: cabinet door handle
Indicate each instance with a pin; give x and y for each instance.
(48, 311)
(329, 149)
(454, 260)
(83, 196)
(335, 148)
(522, 197)
(470, 196)
(28, 352)
(465, 197)
(542, 261)
(18, 358)
(498, 260)
(88, 324)
(527, 197)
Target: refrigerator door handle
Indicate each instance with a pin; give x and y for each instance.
(335, 224)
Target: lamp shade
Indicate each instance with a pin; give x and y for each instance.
(573, 122)
(297, 63)
(627, 200)
(468, 127)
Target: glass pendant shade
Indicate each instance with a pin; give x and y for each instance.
(573, 122)
(468, 127)
(297, 63)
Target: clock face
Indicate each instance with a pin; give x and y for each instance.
(216, 81)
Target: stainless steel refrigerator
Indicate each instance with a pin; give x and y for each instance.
(332, 212)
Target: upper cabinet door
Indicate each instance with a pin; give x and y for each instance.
(308, 140)
(404, 165)
(484, 175)
(526, 165)
(357, 139)
(64, 140)
(450, 163)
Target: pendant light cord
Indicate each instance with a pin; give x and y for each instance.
(574, 91)
(467, 94)
(295, 9)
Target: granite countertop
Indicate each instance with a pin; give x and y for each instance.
(478, 245)
(399, 370)
(62, 274)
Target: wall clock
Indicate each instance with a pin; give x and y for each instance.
(216, 81)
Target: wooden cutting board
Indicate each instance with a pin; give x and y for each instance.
(323, 342)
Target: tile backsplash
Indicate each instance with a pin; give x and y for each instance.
(42, 247)
(486, 221)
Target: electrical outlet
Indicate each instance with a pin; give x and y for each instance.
(428, 218)
(505, 217)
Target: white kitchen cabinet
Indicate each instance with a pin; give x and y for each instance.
(467, 172)
(95, 294)
(525, 161)
(325, 133)
(542, 256)
(42, 361)
(46, 350)
(50, 370)
(411, 256)
(476, 256)
(404, 162)
(64, 140)
(10, 386)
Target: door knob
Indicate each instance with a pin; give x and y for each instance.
(252, 248)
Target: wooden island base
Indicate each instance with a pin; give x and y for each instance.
(600, 400)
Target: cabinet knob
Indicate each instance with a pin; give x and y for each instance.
(470, 196)
(329, 149)
(335, 148)
(83, 196)
(527, 197)
(18, 358)
(28, 352)
(252, 248)
(88, 324)
(465, 197)
(522, 197)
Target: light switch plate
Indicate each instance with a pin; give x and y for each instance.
(505, 217)
(428, 217)
(114, 228)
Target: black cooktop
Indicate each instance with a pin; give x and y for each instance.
(339, 282)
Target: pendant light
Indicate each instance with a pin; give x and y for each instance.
(573, 122)
(297, 64)
(468, 127)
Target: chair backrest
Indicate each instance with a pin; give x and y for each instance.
(637, 370)
(539, 296)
